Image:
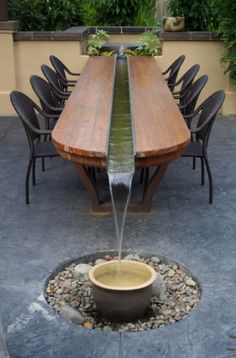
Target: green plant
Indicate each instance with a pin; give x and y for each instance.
(44, 15)
(227, 31)
(96, 42)
(199, 15)
(88, 12)
(146, 15)
(149, 45)
(119, 12)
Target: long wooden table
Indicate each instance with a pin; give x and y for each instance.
(82, 132)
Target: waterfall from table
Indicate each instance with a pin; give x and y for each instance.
(120, 151)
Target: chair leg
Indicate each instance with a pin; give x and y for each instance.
(202, 172)
(27, 181)
(194, 163)
(210, 180)
(33, 172)
(43, 164)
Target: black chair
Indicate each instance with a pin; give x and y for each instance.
(59, 89)
(26, 109)
(61, 70)
(173, 71)
(197, 148)
(48, 100)
(192, 97)
(185, 83)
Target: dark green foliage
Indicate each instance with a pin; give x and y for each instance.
(44, 15)
(200, 15)
(121, 12)
(227, 31)
(58, 15)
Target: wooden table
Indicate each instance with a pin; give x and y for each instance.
(82, 131)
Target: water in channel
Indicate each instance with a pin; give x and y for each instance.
(121, 150)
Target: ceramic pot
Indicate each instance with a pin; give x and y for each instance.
(173, 23)
(121, 301)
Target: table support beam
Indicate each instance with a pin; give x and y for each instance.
(88, 182)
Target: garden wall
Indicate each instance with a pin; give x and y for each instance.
(22, 53)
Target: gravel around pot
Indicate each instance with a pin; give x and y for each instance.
(175, 295)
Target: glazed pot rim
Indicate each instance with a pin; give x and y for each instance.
(123, 288)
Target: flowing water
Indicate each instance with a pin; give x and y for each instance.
(120, 151)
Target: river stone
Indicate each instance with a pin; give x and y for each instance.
(132, 257)
(155, 259)
(70, 314)
(190, 282)
(99, 261)
(82, 270)
(159, 287)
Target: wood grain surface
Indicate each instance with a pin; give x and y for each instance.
(159, 128)
(82, 131)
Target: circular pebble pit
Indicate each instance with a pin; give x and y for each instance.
(176, 292)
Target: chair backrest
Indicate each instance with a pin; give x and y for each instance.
(187, 80)
(53, 79)
(45, 94)
(174, 70)
(209, 110)
(193, 94)
(59, 67)
(25, 108)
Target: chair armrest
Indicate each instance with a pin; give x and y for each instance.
(198, 129)
(192, 115)
(70, 72)
(39, 131)
(47, 115)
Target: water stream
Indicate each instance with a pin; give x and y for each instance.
(121, 150)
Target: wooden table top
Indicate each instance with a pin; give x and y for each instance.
(82, 131)
(159, 127)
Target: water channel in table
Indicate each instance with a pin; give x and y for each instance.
(121, 165)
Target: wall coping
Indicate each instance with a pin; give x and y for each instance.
(82, 33)
(8, 25)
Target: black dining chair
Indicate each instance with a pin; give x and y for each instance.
(205, 115)
(62, 70)
(192, 97)
(49, 101)
(172, 71)
(52, 77)
(39, 147)
(184, 84)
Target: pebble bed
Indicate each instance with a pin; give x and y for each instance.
(175, 295)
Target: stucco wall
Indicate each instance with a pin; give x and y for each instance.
(30, 55)
(21, 56)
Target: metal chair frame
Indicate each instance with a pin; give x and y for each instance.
(38, 147)
(173, 71)
(197, 148)
(61, 70)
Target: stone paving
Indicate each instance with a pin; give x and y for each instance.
(58, 226)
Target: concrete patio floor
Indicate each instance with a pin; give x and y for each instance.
(58, 225)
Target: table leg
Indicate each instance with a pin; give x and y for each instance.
(153, 185)
(89, 186)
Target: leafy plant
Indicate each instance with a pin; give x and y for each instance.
(44, 15)
(227, 31)
(149, 45)
(96, 42)
(88, 12)
(199, 15)
(146, 15)
(121, 12)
